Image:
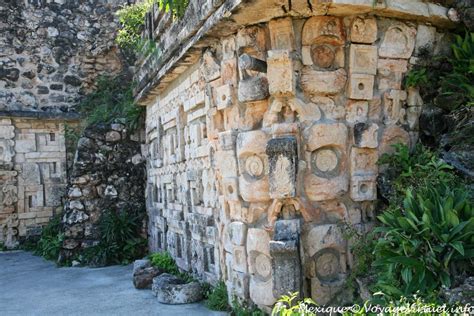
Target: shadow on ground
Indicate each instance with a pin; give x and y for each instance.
(30, 285)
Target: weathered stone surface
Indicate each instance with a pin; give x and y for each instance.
(143, 277)
(281, 75)
(361, 87)
(398, 42)
(364, 30)
(170, 289)
(253, 89)
(323, 82)
(281, 34)
(363, 59)
(282, 156)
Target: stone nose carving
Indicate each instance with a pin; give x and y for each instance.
(252, 87)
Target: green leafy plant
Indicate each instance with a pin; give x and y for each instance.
(426, 242)
(132, 21)
(289, 305)
(239, 309)
(165, 262)
(217, 298)
(458, 84)
(111, 101)
(121, 241)
(416, 77)
(419, 169)
(51, 239)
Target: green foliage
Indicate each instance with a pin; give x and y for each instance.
(458, 84)
(165, 262)
(416, 170)
(289, 305)
(243, 310)
(113, 100)
(51, 239)
(132, 20)
(416, 77)
(426, 242)
(217, 298)
(121, 241)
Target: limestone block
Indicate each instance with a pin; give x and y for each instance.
(364, 161)
(228, 47)
(229, 72)
(413, 116)
(363, 59)
(325, 178)
(31, 173)
(393, 106)
(366, 135)
(323, 293)
(240, 284)
(281, 76)
(330, 109)
(239, 256)
(25, 143)
(361, 86)
(286, 267)
(392, 135)
(425, 38)
(227, 163)
(231, 189)
(323, 30)
(398, 41)
(364, 30)
(282, 155)
(357, 111)
(253, 166)
(227, 140)
(306, 57)
(323, 82)
(237, 233)
(210, 67)
(281, 33)
(252, 37)
(7, 151)
(288, 108)
(7, 131)
(326, 56)
(260, 267)
(414, 97)
(364, 187)
(392, 65)
(329, 238)
(253, 89)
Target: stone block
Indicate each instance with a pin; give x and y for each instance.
(282, 155)
(363, 59)
(364, 188)
(398, 41)
(240, 284)
(425, 38)
(239, 256)
(393, 135)
(364, 161)
(361, 87)
(237, 232)
(253, 166)
(323, 82)
(306, 57)
(25, 143)
(357, 111)
(325, 177)
(7, 131)
(364, 30)
(281, 33)
(393, 106)
(323, 30)
(286, 267)
(281, 76)
(227, 163)
(366, 135)
(253, 89)
(231, 189)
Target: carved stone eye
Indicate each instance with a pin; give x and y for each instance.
(254, 166)
(327, 264)
(325, 162)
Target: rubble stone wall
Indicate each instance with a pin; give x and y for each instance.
(52, 51)
(32, 175)
(108, 175)
(261, 150)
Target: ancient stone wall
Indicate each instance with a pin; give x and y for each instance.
(52, 51)
(32, 175)
(261, 150)
(108, 175)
